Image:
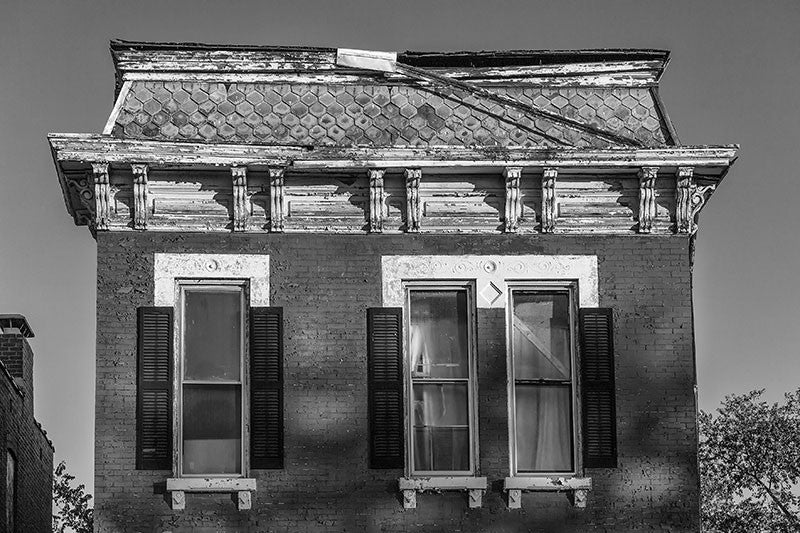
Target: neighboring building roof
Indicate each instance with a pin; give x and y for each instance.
(300, 96)
(17, 322)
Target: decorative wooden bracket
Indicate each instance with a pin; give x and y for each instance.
(239, 178)
(101, 196)
(647, 198)
(376, 200)
(276, 214)
(549, 200)
(413, 210)
(700, 195)
(513, 216)
(82, 185)
(140, 200)
(683, 202)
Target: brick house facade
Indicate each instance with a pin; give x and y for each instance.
(358, 291)
(26, 496)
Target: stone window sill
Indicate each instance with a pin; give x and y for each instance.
(577, 488)
(239, 488)
(410, 486)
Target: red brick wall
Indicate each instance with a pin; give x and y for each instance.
(20, 433)
(325, 283)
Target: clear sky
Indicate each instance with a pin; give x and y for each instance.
(733, 78)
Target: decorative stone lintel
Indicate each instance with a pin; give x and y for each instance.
(647, 198)
(239, 178)
(101, 196)
(276, 212)
(549, 200)
(683, 202)
(140, 193)
(473, 486)
(513, 212)
(413, 209)
(576, 488)
(376, 211)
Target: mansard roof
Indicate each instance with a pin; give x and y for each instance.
(301, 96)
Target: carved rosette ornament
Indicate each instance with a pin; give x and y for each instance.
(513, 213)
(700, 195)
(101, 195)
(549, 200)
(239, 178)
(683, 202)
(276, 214)
(647, 198)
(140, 200)
(413, 210)
(376, 200)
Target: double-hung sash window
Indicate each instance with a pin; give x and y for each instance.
(543, 377)
(440, 366)
(212, 370)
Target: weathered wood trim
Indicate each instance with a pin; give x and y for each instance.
(549, 208)
(376, 195)
(276, 199)
(700, 195)
(647, 198)
(120, 101)
(513, 204)
(683, 201)
(141, 201)
(413, 210)
(239, 179)
(93, 148)
(101, 196)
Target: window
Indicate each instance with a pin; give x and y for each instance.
(11, 491)
(542, 385)
(212, 374)
(441, 379)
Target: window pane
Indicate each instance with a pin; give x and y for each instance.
(441, 426)
(212, 335)
(212, 429)
(11, 490)
(439, 345)
(544, 428)
(541, 335)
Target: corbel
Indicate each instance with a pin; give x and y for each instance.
(177, 500)
(475, 498)
(515, 499)
(376, 200)
(81, 183)
(578, 498)
(683, 199)
(549, 200)
(513, 198)
(243, 500)
(647, 198)
(413, 210)
(276, 213)
(700, 195)
(239, 178)
(101, 195)
(140, 200)
(409, 499)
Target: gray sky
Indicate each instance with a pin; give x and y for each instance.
(734, 78)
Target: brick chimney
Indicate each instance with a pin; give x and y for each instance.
(16, 353)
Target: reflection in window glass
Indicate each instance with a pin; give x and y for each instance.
(212, 337)
(212, 429)
(439, 360)
(542, 361)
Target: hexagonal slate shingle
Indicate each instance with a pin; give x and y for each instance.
(376, 115)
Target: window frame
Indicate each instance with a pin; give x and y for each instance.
(12, 471)
(227, 284)
(554, 286)
(468, 286)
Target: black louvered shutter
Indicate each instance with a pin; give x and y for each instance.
(154, 389)
(266, 387)
(597, 372)
(385, 386)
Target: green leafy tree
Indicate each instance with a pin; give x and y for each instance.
(750, 465)
(71, 511)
